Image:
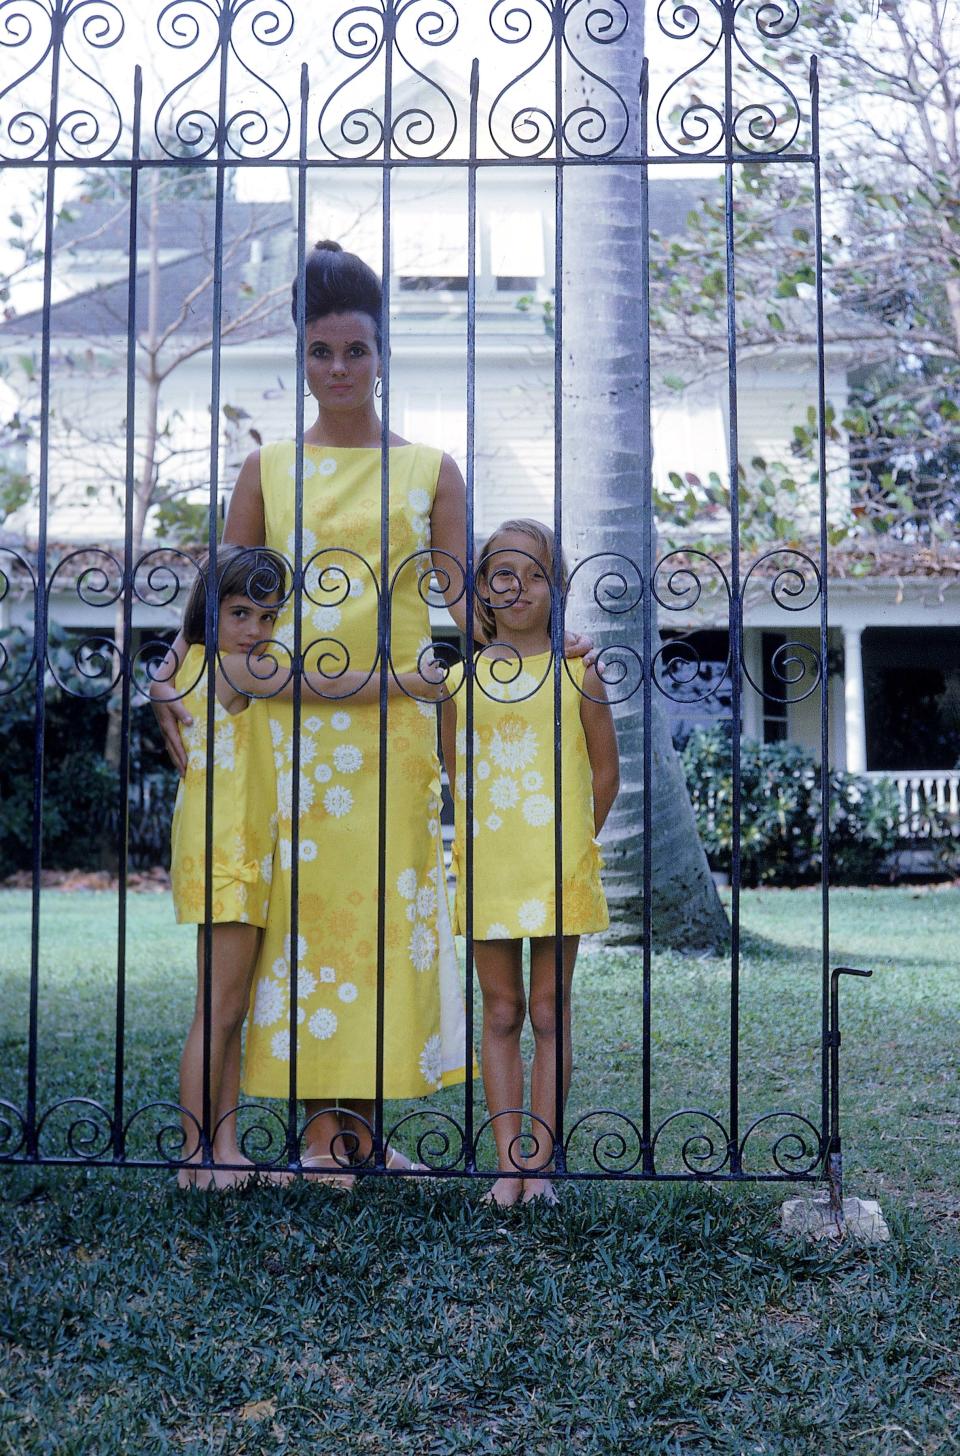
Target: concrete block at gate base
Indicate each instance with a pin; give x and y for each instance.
(813, 1217)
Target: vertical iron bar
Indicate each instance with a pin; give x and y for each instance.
(294, 1151)
(384, 603)
(557, 616)
(468, 589)
(212, 604)
(736, 606)
(126, 666)
(824, 603)
(41, 625)
(646, 508)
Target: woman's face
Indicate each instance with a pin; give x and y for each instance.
(342, 360)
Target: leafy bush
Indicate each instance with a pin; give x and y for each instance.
(80, 800)
(780, 812)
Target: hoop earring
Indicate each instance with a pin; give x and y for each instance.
(306, 392)
(378, 388)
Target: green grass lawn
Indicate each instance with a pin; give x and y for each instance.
(410, 1318)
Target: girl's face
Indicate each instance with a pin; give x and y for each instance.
(342, 362)
(244, 623)
(518, 583)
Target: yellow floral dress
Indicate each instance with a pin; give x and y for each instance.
(339, 801)
(514, 806)
(244, 808)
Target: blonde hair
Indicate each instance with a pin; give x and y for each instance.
(545, 549)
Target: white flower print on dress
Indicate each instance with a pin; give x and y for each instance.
(513, 745)
(276, 732)
(538, 810)
(423, 947)
(306, 983)
(268, 1003)
(327, 974)
(504, 793)
(322, 1024)
(308, 538)
(326, 619)
(533, 782)
(323, 773)
(482, 769)
(531, 915)
(411, 912)
(519, 687)
(327, 466)
(496, 931)
(224, 745)
(280, 1045)
(286, 853)
(431, 1061)
(338, 801)
(285, 793)
(426, 902)
(347, 992)
(301, 949)
(494, 822)
(462, 743)
(340, 721)
(418, 500)
(433, 827)
(357, 586)
(280, 967)
(407, 884)
(313, 724)
(308, 850)
(283, 633)
(266, 868)
(460, 786)
(347, 758)
(309, 471)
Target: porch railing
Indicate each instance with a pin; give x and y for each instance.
(929, 802)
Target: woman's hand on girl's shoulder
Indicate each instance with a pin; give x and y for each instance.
(578, 644)
(171, 715)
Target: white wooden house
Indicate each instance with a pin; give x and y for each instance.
(894, 639)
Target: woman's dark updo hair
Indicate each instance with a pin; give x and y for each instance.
(339, 282)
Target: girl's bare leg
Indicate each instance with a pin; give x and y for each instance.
(233, 950)
(500, 973)
(543, 1078)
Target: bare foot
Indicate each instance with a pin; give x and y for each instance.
(334, 1175)
(505, 1192)
(539, 1188)
(203, 1179)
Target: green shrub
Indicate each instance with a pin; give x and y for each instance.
(80, 799)
(780, 835)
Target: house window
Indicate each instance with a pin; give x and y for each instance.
(693, 674)
(774, 688)
(911, 684)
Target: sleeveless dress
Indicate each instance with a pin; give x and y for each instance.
(339, 800)
(513, 805)
(244, 808)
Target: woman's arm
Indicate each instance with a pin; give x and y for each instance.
(263, 677)
(167, 703)
(448, 740)
(602, 749)
(245, 525)
(448, 538)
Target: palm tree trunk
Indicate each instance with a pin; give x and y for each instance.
(604, 480)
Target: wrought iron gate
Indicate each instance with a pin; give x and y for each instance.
(66, 114)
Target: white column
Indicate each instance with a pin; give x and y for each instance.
(854, 720)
